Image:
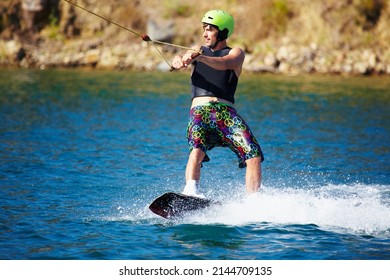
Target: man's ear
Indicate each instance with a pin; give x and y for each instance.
(222, 34)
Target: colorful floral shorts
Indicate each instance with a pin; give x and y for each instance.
(219, 125)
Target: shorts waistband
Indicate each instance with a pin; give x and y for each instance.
(213, 104)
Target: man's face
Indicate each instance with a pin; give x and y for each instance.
(210, 34)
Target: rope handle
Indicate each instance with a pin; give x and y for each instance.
(195, 56)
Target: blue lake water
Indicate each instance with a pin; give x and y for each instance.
(82, 154)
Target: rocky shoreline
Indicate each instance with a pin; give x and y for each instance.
(58, 42)
(95, 54)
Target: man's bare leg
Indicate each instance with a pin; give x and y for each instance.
(194, 165)
(253, 175)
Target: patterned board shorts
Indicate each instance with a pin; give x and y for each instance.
(219, 125)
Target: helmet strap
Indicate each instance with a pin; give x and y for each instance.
(213, 46)
(222, 35)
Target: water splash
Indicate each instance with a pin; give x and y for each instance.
(360, 209)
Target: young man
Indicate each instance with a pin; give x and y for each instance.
(213, 120)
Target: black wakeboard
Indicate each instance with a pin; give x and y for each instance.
(170, 204)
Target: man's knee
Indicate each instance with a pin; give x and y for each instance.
(197, 155)
(253, 162)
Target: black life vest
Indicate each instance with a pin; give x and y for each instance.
(207, 81)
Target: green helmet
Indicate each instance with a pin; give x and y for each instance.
(220, 19)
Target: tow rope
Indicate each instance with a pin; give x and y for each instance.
(144, 37)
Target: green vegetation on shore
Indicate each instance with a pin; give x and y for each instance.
(281, 36)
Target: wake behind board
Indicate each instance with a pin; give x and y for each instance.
(170, 205)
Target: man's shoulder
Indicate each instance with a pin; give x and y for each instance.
(237, 50)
